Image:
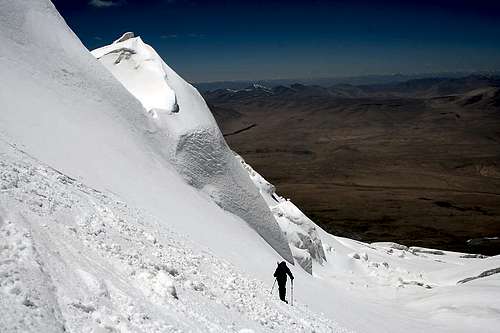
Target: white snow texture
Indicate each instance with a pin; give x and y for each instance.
(300, 231)
(191, 139)
(123, 210)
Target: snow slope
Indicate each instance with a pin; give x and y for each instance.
(100, 231)
(140, 69)
(97, 131)
(191, 139)
(300, 231)
(80, 260)
(407, 288)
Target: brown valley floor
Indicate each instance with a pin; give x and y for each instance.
(418, 167)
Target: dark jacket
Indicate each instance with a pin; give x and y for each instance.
(281, 272)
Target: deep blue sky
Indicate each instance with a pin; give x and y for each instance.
(250, 40)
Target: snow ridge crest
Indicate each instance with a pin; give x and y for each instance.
(125, 37)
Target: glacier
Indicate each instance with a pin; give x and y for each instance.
(117, 213)
(198, 149)
(191, 139)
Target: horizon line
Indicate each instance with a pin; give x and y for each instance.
(424, 74)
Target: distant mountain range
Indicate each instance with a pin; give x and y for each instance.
(417, 88)
(331, 81)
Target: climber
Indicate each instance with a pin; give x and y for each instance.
(280, 274)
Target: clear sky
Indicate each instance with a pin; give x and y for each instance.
(250, 40)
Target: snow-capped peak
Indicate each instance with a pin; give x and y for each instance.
(259, 86)
(140, 69)
(125, 36)
(190, 138)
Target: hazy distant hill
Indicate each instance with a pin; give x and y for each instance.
(417, 88)
(327, 82)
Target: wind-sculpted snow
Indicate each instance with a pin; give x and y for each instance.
(192, 141)
(140, 70)
(65, 108)
(300, 231)
(221, 177)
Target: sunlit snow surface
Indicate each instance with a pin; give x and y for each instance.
(99, 230)
(191, 139)
(300, 231)
(138, 67)
(76, 259)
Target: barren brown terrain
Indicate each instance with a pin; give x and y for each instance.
(417, 163)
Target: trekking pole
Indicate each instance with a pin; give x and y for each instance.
(273, 286)
(292, 294)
